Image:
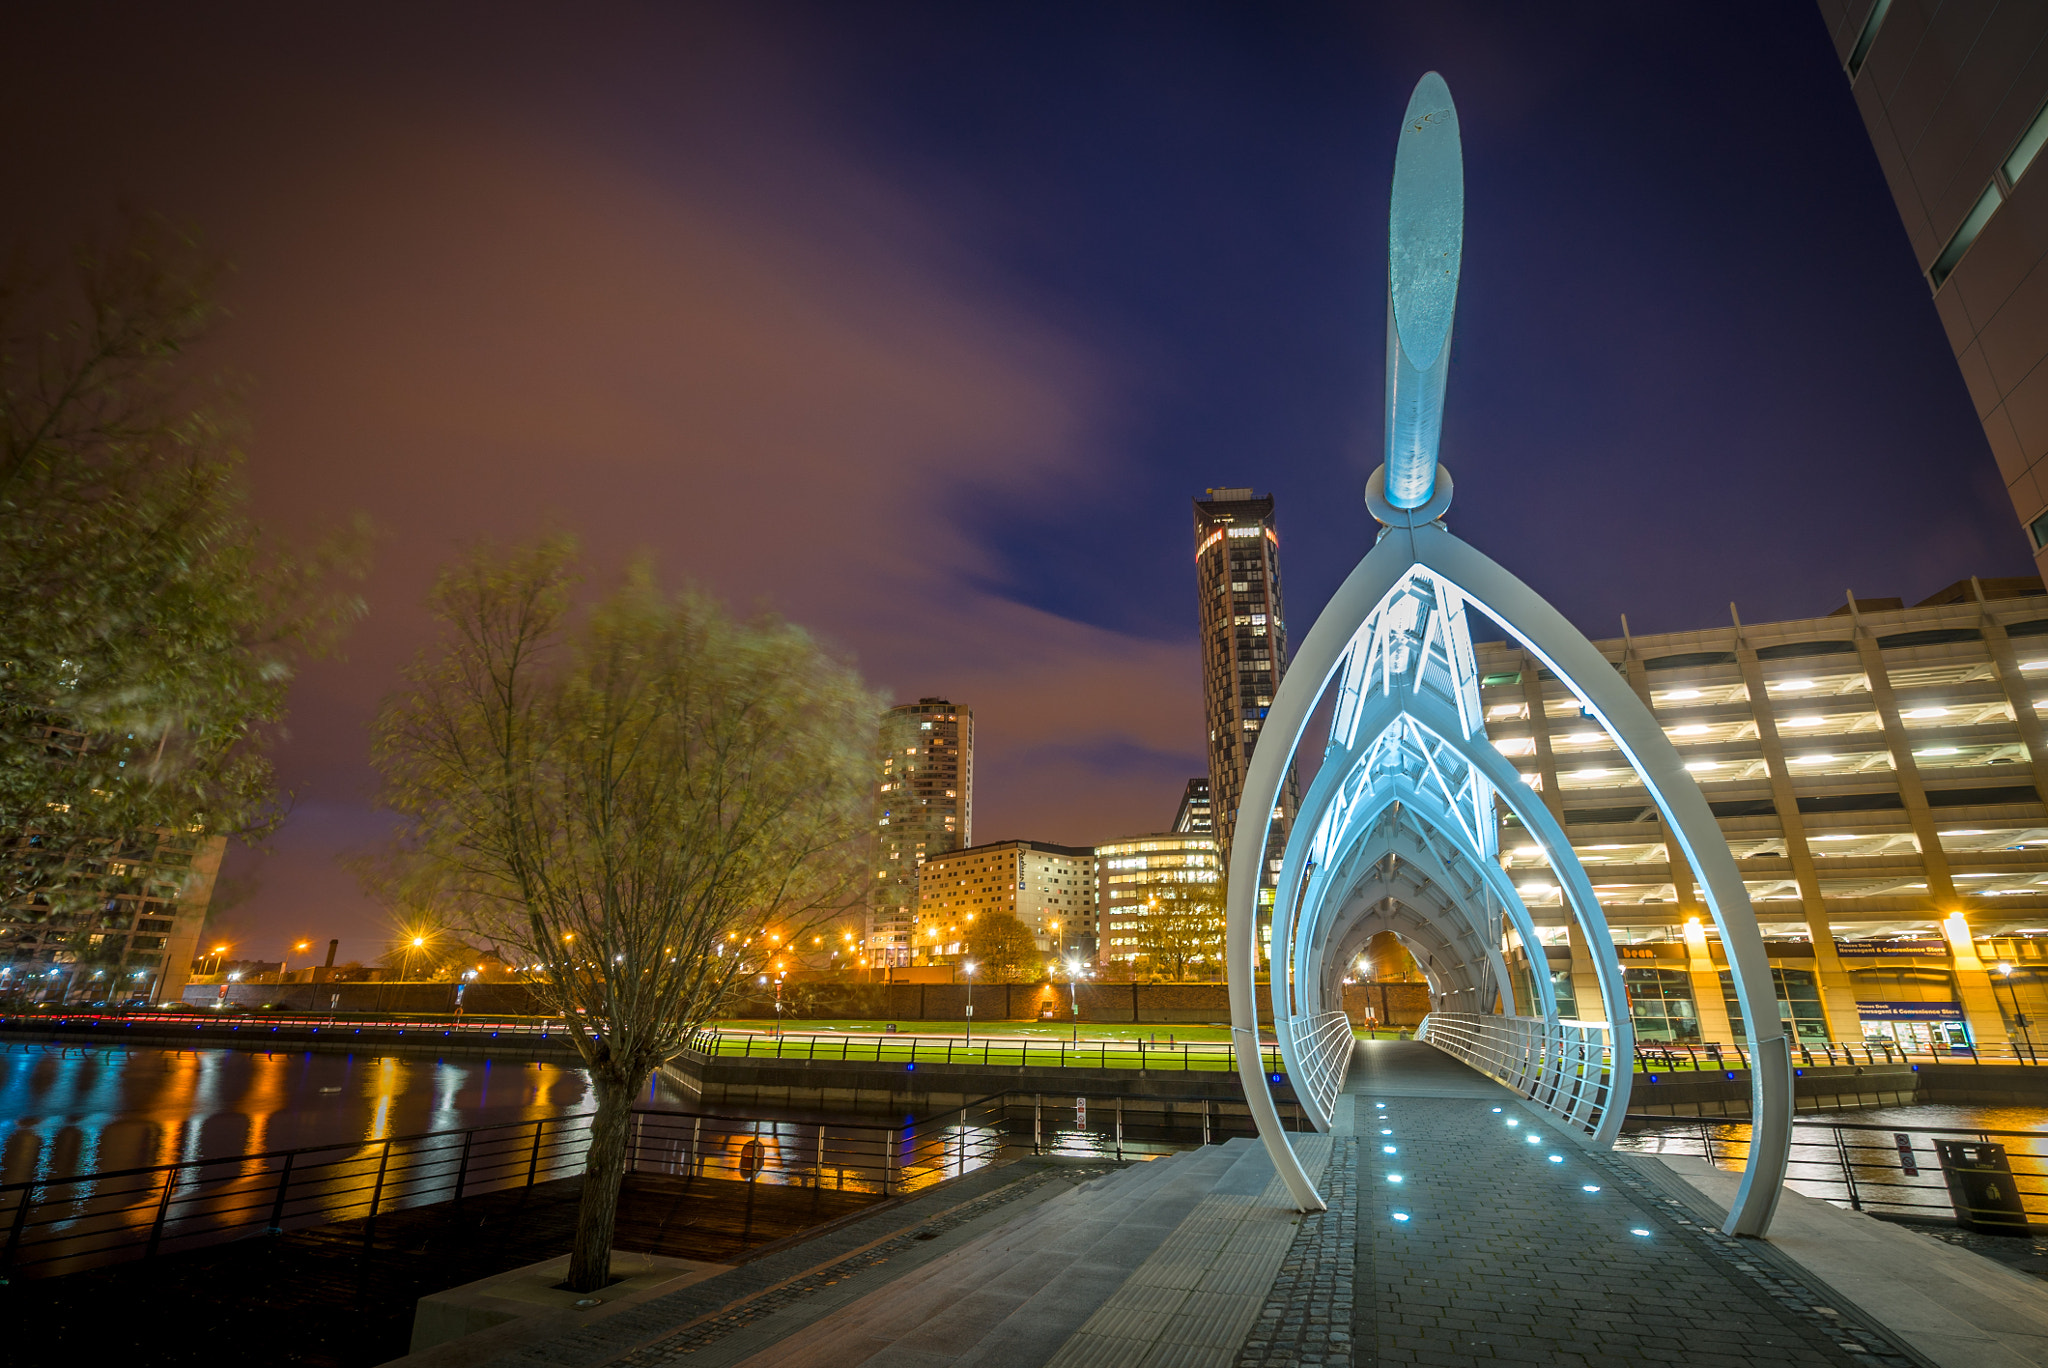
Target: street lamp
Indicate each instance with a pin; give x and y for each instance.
(2019, 1018)
(969, 966)
(1074, 994)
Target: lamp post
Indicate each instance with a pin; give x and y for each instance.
(2019, 1018)
(1074, 995)
(969, 966)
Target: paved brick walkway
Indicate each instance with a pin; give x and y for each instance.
(1486, 1235)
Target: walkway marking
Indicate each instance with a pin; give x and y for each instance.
(1194, 1301)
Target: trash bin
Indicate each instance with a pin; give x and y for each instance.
(1980, 1186)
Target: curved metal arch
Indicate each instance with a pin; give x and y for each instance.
(1401, 552)
(1291, 949)
(1431, 716)
(1305, 941)
(1334, 777)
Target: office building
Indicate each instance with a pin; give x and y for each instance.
(136, 939)
(1880, 774)
(1955, 98)
(924, 807)
(1194, 815)
(1244, 653)
(1049, 888)
(1159, 903)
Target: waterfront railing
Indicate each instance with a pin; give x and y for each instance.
(61, 1223)
(1684, 1056)
(1871, 1166)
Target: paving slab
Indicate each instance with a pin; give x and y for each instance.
(1956, 1308)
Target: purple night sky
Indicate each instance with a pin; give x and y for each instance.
(921, 323)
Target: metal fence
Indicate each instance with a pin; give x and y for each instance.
(107, 1029)
(60, 1224)
(986, 1051)
(1679, 1056)
(1565, 1067)
(1861, 1165)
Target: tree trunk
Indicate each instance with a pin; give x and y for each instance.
(604, 1170)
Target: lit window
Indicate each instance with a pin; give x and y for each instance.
(1973, 224)
(2029, 147)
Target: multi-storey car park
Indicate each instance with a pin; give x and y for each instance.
(1881, 776)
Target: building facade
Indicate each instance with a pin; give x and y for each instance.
(1879, 772)
(1955, 97)
(1144, 890)
(139, 937)
(1195, 815)
(1050, 888)
(924, 807)
(1244, 653)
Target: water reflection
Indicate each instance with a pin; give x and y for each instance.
(65, 1110)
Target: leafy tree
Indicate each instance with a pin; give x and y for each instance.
(1183, 927)
(148, 633)
(1003, 948)
(634, 800)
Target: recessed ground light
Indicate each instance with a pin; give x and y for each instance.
(1496, 1108)
(1386, 1132)
(1557, 1158)
(1535, 1139)
(1590, 1187)
(1393, 1177)
(1637, 1230)
(1511, 1120)
(1400, 1215)
(1386, 1149)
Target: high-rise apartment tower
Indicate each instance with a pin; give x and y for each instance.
(1956, 100)
(1195, 815)
(924, 807)
(1244, 652)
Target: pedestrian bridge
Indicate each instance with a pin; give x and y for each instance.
(1399, 829)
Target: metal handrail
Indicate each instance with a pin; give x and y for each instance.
(1835, 1161)
(58, 1224)
(987, 1052)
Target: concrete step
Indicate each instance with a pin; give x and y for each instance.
(1013, 1296)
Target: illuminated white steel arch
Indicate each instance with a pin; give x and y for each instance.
(1398, 828)
(1406, 691)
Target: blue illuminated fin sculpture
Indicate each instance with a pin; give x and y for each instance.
(1425, 242)
(1399, 831)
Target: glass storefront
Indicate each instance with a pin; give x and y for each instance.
(1660, 1003)
(1799, 1006)
(1567, 996)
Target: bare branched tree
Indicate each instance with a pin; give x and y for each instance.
(635, 802)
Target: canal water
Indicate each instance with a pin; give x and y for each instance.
(66, 1110)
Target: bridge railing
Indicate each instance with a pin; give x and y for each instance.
(1565, 1067)
(1322, 1054)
